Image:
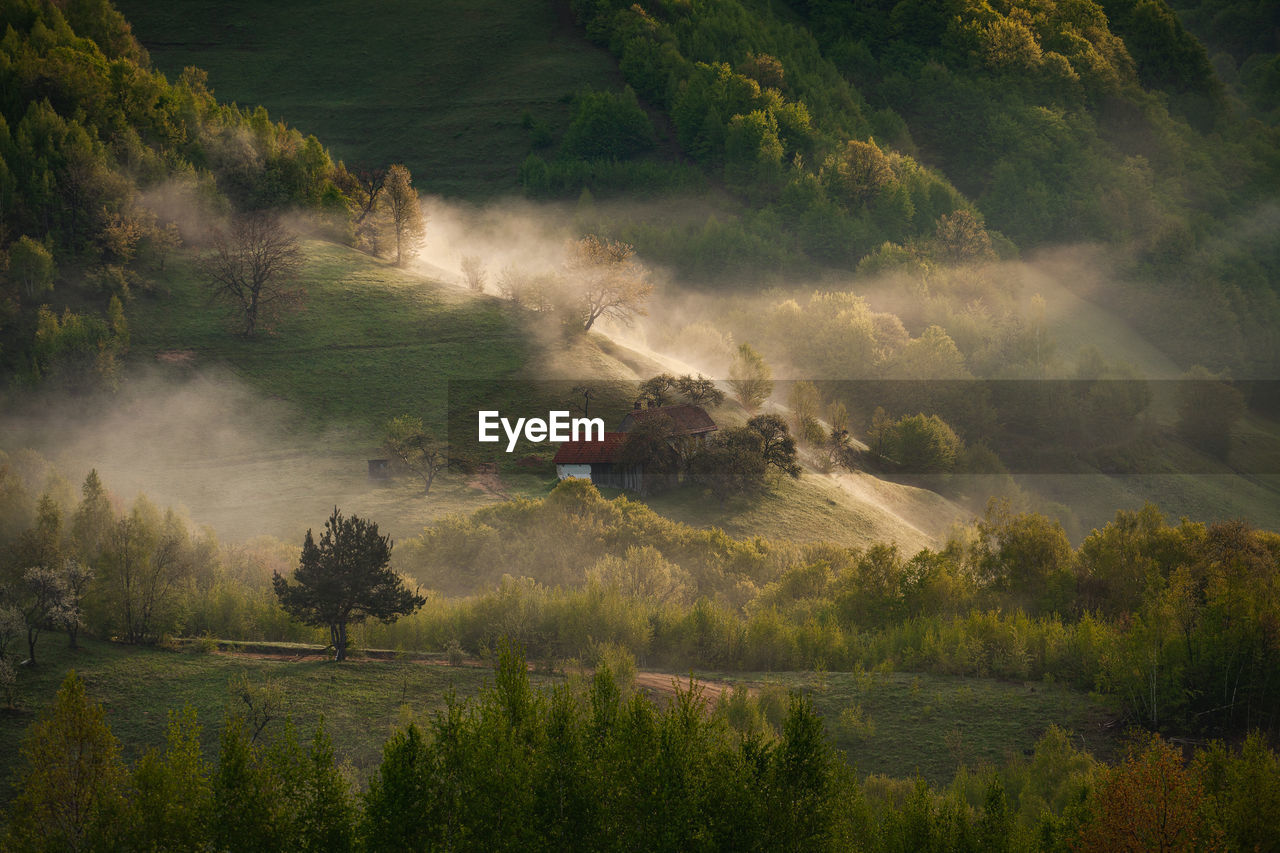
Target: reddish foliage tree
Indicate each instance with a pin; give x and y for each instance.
(1150, 801)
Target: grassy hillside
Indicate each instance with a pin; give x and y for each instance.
(853, 510)
(904, 724)
(391, 82)
(912, 718)
(265, 436)
(361, 704)
(371, 342)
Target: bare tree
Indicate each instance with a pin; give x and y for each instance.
(368, 186)
(251, 266)
(613, 283)
(513, 283)
(406, 215)
(363, 187)
(416, 449)
(473, 272)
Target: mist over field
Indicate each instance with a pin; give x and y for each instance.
(208, 444)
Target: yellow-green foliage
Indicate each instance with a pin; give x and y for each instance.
(562, 539)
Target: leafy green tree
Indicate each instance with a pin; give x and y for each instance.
(961, 237)
(919, 444)
(642, 573)
(699, 390)
(93, 518)
(1244, 785)
(70, 796)
(652, 445)
(345, 579)
(1025, 554)
(733, 463)
(996, 824)
(777, 447)
(658, 390)
(146, 557)
(248, 804)
(859, 173)
(31, 267)
(363, 188)
(803, 813)
(398, 795)
(77, 351)
(753, 153)
(608, 125)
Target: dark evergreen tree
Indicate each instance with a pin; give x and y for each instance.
(345, 579)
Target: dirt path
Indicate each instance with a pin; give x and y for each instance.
(665, 685)
(658, 685)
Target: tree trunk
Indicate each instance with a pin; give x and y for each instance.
(340, 643)
(32, 635)
(251, 315)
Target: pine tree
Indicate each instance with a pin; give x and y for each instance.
(345, 579)
(173, 794)
(327, 816)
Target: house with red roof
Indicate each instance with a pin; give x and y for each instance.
(689, 421)
(599, 462)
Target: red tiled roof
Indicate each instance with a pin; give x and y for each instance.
(589, 452)
(688, 419)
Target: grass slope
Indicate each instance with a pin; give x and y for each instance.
(440, 87)
(904, 724)
(820, 508)
(361, 703)
(373, 341)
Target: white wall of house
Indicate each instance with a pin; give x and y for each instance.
(566, 471)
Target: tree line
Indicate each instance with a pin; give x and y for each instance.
(596, 766)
